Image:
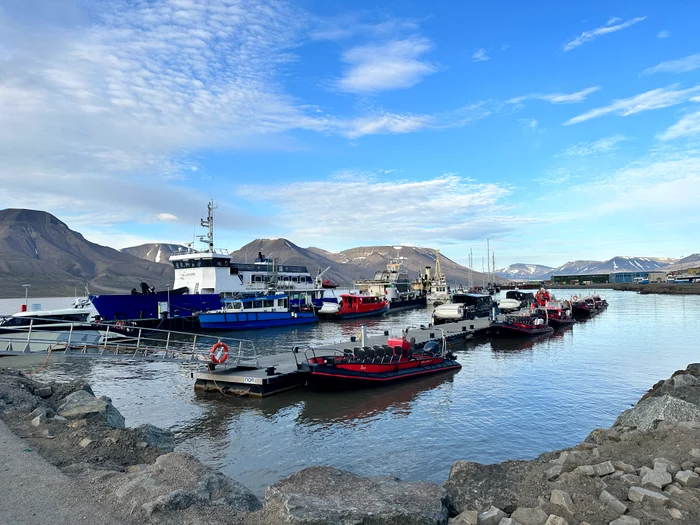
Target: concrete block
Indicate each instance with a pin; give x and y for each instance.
(493, 516)
(624, 467)
(625, 520)
(529, 515)
(554, 472)
(688, 478)
(640, 495)
(667, 465)
(562, 499)
(604, 468)
(631, 479)
(468, 517)
(657, 478)
(612, 502)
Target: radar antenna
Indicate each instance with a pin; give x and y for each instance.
(209, 224)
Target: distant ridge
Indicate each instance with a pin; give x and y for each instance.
(155, 252)
(40, 250)
(616, 264)
(691, 261)
(525, 272)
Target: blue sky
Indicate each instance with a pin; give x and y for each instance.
(559, 131)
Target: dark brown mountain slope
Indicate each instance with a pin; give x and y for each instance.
(40, 250)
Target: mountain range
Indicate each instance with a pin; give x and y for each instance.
(341, 267)
(41, 251)
(535, 272)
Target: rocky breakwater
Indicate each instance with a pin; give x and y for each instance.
(643, 470)
(132, 473)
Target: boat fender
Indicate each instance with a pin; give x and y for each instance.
(218, 353)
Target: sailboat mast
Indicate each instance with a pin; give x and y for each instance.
(488, 263)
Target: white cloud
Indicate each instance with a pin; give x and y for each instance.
(480, 55)
(682, 65)
(166, 217)
(603, 145)
(588, 36)
(347, 26)
(654, 99)
(466, 207)
(688, 125)
(557, 98)
(386, 123)
(664, 34)
(381, 67)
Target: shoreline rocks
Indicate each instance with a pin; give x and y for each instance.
(644, 469)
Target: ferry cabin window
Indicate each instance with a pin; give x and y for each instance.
(268, 303)
(257, 304)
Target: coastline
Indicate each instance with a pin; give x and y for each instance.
(644, 289)
(645, 467)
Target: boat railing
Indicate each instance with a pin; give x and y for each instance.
(120, 340)
(306, 349)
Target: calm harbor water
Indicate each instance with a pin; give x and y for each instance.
(511, 400)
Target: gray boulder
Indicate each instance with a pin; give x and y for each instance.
(647, 414)
(82, 405)
(475, 486)
(156, 437)
(325, 495)
(177, 482)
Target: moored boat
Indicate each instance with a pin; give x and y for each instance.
(519, 326)
(556, 314)
(394, 285)
(438, 290)
(353, 305)
(250, 313)
(463, 306)
(379, 365)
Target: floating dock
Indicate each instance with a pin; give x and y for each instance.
(269, 375)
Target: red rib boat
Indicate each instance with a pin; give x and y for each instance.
(363, 367)
(519, 326)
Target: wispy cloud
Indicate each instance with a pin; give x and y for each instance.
(687, 126)
(529, 123)
(583, 149)
(611, 27)
(664, 34)
(654, 99)
(466, 205)
(347, 26)
(381, 67)
(480, 55)
(166, 217)
(556, 98)
(386, 123)
(682, 65)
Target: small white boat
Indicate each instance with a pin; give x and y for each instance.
(329, 309)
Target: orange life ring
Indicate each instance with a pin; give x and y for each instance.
(97, 321)
(575, 297)
(120, 324)
(218, 353)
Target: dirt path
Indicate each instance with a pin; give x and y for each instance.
(36, 492)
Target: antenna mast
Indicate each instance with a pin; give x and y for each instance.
(209, 224)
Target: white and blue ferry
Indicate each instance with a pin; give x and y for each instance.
(263, 311)
(203, 278)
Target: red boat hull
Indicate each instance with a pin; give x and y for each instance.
(342, 376)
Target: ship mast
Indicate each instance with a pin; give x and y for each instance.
(209, 224)
(439, 277)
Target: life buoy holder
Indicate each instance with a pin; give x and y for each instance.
(218, 353)
(120, 324)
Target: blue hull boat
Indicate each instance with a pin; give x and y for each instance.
(253, 320)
